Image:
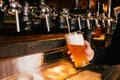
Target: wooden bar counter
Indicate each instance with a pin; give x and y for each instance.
(62, 69)
(19, 45)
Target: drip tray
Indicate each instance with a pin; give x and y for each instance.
(58, 70)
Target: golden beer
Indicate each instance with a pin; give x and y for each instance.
(75, 44)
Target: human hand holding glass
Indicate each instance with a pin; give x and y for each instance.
(77, 48)
(89, 51)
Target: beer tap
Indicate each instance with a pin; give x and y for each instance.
(45, 12)
(25, 17)
(103, 23)
(76, 4)
(68, 24)
(12, 7)
(103, 20)
(109, 8)
(89, 9)
(88, 24)
(89, 5)
(97, 23)
(66, 14)
(87, 32)
(97, 31)
(79, 23)
(98, 9)
(108, 26)
(103, 12)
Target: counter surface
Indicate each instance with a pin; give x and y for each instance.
(30, 38)
(11, 46)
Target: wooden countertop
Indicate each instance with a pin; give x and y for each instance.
(11, 46)
(30, 38)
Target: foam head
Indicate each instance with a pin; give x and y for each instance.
(74, 39)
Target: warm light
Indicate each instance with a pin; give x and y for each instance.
(105, 8)
(0, 0)
(92, 4)
(57, 69)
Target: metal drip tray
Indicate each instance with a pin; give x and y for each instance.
(56, 71)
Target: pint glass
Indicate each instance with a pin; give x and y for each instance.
(75, 44)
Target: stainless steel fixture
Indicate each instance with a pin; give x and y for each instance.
(39, 65)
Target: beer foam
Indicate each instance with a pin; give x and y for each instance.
(75, 39)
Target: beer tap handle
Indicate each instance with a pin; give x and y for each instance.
(87, 32)
(17, 21)
(47, 22)
(103, 23)
(103, 8)
(108, 26)
(98, 9)
(109, 8)
(79, 23)
(90, 1)
(88, 24)
(97, 30)
(68, 24)
(42, 2)
(13, 8)
(96, 23)
(76, 4)
(103, 12)
(108, 22)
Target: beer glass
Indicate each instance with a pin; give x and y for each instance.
(75, 44)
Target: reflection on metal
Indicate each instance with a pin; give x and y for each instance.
(117, 11)
(34, 66)
(12, 66)
(76, 4)
(109, 8)
(58, 70)
(17, 21)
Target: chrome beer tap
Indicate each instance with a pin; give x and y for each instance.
(66, 13)
(98, 10)
(45, 12)
(88, 31)
(25, 17)
(79, 23)
(12, 7)
(108, 26)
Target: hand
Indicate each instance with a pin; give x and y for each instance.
(89, 51)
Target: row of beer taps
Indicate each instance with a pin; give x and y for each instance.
(43, 10)
(14, 7)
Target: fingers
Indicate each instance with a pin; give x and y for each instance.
(87, 43)
(70, 56)
(68, 52)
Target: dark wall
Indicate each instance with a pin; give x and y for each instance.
(82, 3)
(71, 3)
(61, 3)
